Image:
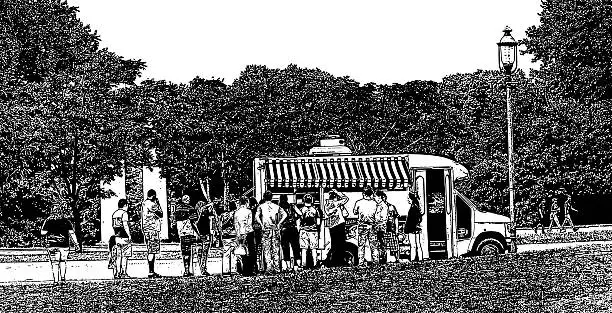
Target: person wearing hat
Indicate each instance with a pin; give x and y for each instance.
(186, 216)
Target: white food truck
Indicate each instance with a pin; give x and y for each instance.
(452, 225)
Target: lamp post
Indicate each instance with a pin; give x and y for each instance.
(507, 59)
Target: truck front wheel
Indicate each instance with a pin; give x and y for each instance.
(490, 246)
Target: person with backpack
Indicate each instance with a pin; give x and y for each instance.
(186, 216)
(121, 242)
(413, 227)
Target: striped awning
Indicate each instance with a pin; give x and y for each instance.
(338, 172)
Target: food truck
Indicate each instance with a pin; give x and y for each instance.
(452, 225)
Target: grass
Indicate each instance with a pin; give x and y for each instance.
(570, 280)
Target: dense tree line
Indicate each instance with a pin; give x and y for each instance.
(71, 116)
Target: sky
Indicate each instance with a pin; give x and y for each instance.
(381, 41)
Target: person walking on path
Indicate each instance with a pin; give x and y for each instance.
(151, 216)
(365, 209)
(336, 213)
(567, 217)
(310, 222)
(206, 213)
(541, 219)
(245, 237)
(413, 227)
(290, 237)
(271, 217)
(186, 217)
(122, 248)
(554, 215)
(58, 231)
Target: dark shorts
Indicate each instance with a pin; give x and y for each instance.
(152, 240)
(186, 244)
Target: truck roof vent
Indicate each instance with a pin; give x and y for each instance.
(331, 145)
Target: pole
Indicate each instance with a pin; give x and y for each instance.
(510, 154)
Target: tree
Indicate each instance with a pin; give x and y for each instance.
(574, 45)
(63, 128)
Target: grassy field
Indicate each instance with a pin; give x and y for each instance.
(571, 280)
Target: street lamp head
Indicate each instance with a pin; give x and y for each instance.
(507, 52)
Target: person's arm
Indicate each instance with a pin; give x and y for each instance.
(43, 230)
(73, 237)
(143, 212)
(356, 208)
(258, 214)
(343, 198)
(283, 216)
(126, 225)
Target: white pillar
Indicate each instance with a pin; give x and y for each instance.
(109, 205)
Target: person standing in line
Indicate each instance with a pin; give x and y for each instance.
(151, 217)
(290, 238)
(554, 215)
(271, 217)
(253, 205)
(567, 208)
(380, 225)
(58, 231)
(391, 241)
(186, 217)
(245, 237)
(122, 249)
(413, 227)
(365, 209)
(336, 212)
(310, 221)
(206, 213)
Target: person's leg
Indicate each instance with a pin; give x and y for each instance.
(63, 256)
(249, 264)
(275, 251)
(333, 253)
(203, 254)
(53, 255)
(417, 239)
(413, 245)
(294, 240)
(153, 248)
(185, 252)
(118, 259)
(265, 246)
(373, 238)
(362, 238)
(126, 253)
(285, 246)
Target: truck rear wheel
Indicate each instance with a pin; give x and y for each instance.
(490, 246)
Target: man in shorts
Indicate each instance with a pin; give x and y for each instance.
(310, 221)
(122, 248)
(58, 231)
(186, 216)
(151, 227)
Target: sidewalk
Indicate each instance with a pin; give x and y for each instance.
(40, 272)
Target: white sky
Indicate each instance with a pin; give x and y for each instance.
(370, 41)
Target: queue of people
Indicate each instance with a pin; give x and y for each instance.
(266, 232)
